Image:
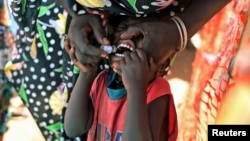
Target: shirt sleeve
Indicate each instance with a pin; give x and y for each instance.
(159, 87)
(156, 89)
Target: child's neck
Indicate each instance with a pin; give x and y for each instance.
(116, 83)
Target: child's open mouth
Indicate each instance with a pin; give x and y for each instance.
(123, 47)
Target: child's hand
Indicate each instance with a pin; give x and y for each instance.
(137, 69)
(75, 56)
(82, 29)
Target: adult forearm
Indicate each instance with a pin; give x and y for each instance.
(200, 12)
(136, 127)
(78, 116)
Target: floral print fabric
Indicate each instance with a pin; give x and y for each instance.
(36, 66)
(138, 8)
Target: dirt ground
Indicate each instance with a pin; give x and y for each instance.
(25, 129)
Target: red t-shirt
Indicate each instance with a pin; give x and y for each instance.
(109, 114)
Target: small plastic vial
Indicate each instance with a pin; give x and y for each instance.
(108, 48)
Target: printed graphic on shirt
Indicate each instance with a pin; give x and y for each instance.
(102, 131)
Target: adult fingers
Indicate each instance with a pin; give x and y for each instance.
(89, 53)
(98, 31)
(131, 32)
(95, 52)
(86, 59)
(76, 62)
(78, 38)
(67, 45)
(89, 49)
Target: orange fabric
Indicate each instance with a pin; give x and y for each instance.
(233, 106)
(219, 38)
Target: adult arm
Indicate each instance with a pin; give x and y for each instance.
(199, 12)
(196, 14)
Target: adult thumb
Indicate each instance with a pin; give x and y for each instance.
(99, 32)
(132, 31)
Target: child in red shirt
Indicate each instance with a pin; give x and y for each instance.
(129, 102)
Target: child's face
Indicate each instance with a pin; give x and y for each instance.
(153, 48)
(123, 46)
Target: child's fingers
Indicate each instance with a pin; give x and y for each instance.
(83, 67)
(116, 67)
(127, 57)
(142, 55)
(134, 55)
(119, 71)
(122, 63)
(152, 64)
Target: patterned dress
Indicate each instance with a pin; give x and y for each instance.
(138, 8)
(36, 66)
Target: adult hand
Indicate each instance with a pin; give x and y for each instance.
(137, 69)
(158, 37)
(81, 30)
(75, 56)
